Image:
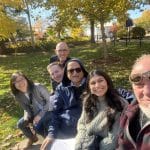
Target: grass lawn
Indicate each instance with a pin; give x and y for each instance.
(34, 66)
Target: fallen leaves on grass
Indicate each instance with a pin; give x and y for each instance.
(6, 144)
(8, 137)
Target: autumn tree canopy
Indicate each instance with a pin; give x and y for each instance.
(144, 20)
(7, 21)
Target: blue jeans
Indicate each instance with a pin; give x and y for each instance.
(40, 128)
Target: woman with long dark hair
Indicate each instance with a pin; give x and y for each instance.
(34, 99)
(99, 121)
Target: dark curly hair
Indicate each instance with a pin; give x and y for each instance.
(13, 78)
(90, 100)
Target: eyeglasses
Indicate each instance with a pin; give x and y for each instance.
(20, 80)
(62, 50)
(78, 70)
(138, 79)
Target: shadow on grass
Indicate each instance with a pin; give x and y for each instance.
(118, 66)
(10, 106)
(34, 65)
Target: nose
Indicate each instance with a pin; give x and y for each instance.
(97, 84)
(146, 89)
(55, 75)
(74, 72)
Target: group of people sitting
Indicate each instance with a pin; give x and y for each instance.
(85, 111)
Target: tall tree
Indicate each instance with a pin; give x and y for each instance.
(63, 16)
(29, 19)
(144, 20)
(61, 20)
(27, 6)
(103, 11)
(94, 10)
(7, 22)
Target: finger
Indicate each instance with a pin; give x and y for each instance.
(43, 146)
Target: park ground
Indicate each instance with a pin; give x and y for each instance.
(33, 64)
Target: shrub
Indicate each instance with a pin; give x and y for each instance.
(26, 47)
(122, 33)
(138, 32)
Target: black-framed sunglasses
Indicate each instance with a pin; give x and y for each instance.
(138, 79)
(78, 70)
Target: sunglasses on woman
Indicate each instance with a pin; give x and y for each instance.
(138, 79)
(77, 70)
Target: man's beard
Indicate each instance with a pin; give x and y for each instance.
(145, 110)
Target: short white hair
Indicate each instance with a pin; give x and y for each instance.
(64, 44)
(138, 60)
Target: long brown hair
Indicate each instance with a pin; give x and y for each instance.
(13, 78)
(112, 96)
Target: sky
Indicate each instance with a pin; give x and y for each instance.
(137, 13)
(43, 14)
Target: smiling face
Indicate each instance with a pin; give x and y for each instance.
(98, 85)
(75, 73)
(62, 51)
(142, 90)
(21, 84)
(56, 72)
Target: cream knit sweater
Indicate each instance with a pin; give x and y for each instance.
(98, 126)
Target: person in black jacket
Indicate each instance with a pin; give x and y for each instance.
(62, 56)
(67, 104)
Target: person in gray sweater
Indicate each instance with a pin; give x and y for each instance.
(98, 125)
(34, 99)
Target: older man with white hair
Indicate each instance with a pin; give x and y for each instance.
(135, 120)
(62, 52)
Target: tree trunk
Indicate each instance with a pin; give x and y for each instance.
(1, 50)
(92, 31)
(31, 32)
(2, 47)
(58, 34)
(104, 40)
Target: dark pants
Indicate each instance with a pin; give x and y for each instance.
(40, 128)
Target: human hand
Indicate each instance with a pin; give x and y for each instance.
(36, 119)
(46, 142)
(26, 122)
